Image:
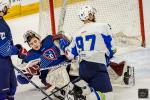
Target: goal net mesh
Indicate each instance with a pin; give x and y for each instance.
(122, 15)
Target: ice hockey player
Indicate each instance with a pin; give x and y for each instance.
(8, 81)
(45, 50)
(92, 41)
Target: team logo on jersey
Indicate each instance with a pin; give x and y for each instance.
(50, 54)
(2, 35)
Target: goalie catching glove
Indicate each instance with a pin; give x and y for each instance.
(33, 67)
(34, 70)
(21, 78)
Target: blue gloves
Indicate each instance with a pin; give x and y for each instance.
(63, 43)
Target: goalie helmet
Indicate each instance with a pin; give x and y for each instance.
(85, 11)
(30, 34)
(4, 5)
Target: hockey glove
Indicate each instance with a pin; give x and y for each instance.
(34, 70)
(60, 36)
(19, 46)
(63, 44)
(22, 51)
(33, 67)
(21, 79)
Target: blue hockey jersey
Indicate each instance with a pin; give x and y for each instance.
(49, 54)
(6, 44)
(7, 75)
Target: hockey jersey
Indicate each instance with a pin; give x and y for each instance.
(6, 44)
(7, 75)
(92, 42)
(49, 54)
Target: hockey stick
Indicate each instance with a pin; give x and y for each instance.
(47, 96)
(75, 80)
(62, 16)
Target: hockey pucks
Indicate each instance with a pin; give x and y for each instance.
(143, 93)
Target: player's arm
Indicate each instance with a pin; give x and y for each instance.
(71, 50)
(63, 41)
(107, 40)
(107, 37)
(6, 48)
(59, 36)
(68, 47)
(22, 52)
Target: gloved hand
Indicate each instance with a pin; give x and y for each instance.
(60, 35)
(19, 46)
(63, 44)
(34, 70)
(21, 79)
(22, 51)
(33, 67)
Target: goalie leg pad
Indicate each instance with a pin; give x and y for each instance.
(118, 67)
(127, 78)
(58, 77)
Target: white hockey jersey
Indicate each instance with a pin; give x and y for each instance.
(92, 43)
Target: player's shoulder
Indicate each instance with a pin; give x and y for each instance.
(32, 52)
(105, 25)
(105, 28)
(47, 39)
(31, 55)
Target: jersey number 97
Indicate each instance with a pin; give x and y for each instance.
(88, 42)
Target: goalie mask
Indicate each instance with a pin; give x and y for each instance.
(29, 35)
(4, 5)
(85, 11)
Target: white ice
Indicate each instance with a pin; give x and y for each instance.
(139, 58)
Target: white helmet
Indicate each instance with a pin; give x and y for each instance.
(31, 34)
(85, 11)
(4, 4)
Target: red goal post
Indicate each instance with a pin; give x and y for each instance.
(124, 16)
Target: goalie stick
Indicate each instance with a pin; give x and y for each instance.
(75, 80)
(47, 96)
(62, 16)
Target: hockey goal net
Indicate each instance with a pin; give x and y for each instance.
(124, 16)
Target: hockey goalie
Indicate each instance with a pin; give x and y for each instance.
(43, 59)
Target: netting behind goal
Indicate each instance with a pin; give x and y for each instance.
(123, 16)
